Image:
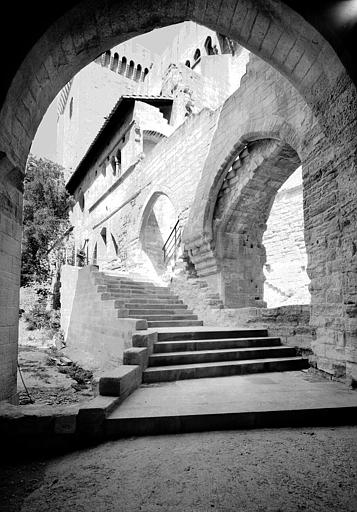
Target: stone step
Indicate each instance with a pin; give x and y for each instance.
(175, 323)
(128, 302)
(114, 279)
(129, 292)
(125, 295)
(138, 290)
(211, 334)
(223, 368)
(153, 311)
(136, 285)
(210, 356)
(221, 344)
(159, 306)
(169, 317)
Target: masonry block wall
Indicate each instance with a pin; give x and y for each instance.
(286, 279)
(281, 114)
(173, 168)
(10, 265)
(95, 336)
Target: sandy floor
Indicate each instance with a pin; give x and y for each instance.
(261, 470)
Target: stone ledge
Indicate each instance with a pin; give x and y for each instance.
(31, 420)
(136, 356)
(121, 381)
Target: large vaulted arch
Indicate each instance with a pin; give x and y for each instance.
(271, 29)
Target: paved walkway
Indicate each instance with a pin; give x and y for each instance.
(240, 393)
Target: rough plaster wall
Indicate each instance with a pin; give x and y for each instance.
(95, 336)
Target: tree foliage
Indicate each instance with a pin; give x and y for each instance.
(45, 218)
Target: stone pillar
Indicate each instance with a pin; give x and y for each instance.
(11, 187)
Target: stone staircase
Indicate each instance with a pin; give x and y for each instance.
(145, 300)
(183, 348)
(200, 353)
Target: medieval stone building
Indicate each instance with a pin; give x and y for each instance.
(221, 158)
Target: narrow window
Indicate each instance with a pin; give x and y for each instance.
(107, 56)
(71, 108)
(188, 63)
(197, 55)
(122, 67)
(115, 63)
(131, 69)
(146, 72)
(138, 73)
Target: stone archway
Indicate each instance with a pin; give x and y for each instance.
(273, 31)
(158, 219)
(240, 216)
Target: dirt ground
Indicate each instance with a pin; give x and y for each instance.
(282, 470)
(47, 381)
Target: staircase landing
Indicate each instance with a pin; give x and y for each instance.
(278, 399)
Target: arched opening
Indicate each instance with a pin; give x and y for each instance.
(286, 279)
(188, 63)
(150, 139)
(208, 46)
(240, 220)
(138, 72)
(197, 55)
(131, 69)
(115, 63)
(107, 57)
(158, 220)
(122, 66)
(288, 42)
(145, 74)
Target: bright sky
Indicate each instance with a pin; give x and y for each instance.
(44, 143)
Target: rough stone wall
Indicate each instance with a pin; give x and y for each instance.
(10, 265)
(281, 113)
(95, 336)
(286, 259)
(289, 42)
(290, 323)
(193, 91)
(172, 168)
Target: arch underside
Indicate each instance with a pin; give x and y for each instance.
(286, 41)
(240, 218)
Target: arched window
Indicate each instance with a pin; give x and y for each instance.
(188, 63)
(71, 108)
(122, 67)
(138, 73)
(107, 56)
(115, 62)
(208, 46)
(197, 55)
(131, 69)
(146, 72)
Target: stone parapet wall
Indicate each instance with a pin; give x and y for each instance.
(94, 335)
(290, 323)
